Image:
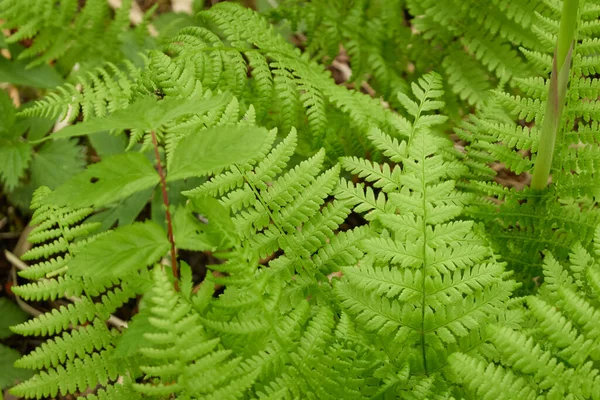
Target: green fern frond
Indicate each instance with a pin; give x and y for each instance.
(417, 285)
(78, 375)
(554, 357)
(180, 352)
(75, 344)
(532, 222)
(63, 32)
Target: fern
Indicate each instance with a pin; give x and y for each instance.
(367, 30)
(427, 284)
(477, 45)
(181, 353)
(556, 355)
(380, 274)
(63, 32)
(199, 61)
(386, 41)
(67, 366)
(531, 222)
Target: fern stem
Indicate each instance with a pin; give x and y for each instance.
(165, 196)
(557, 92)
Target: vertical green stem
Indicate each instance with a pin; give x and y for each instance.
(557, 92)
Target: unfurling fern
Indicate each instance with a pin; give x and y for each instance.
(529, 221)
(556, 355)
(429, 283)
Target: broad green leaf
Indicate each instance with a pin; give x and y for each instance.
(9, 375)
(35, 127)
(147, 114)
(108, 181)
(122, 251)
(213, 149)
(188, 232)
(11, 315)
(17, 73)
(56, 162)
(14, 158)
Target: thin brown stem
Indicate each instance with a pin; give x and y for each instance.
(163, 187)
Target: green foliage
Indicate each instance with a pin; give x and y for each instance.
(285, 88)
(340, 246)
(557, 355)
(17, 155)
(429, 283)
(528, 222)
(59, 236)
(473, 45)
(64, 32)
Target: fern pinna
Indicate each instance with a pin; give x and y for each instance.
(529, 221)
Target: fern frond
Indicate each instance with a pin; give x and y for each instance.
(532, 222)
(417, 286)
(71, 345)
(554, 357)
(63, 32)
(79, 375)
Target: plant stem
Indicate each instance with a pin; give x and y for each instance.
(557, 92)
(163, 187)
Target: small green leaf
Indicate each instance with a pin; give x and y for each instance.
(11, 315)
(107, 144)
(146, 114)
(108, 181)
(35, 127)
(9, 375)
(185, 279)
(213, 149)
(123, 212)
(121, 252)
(7, 116)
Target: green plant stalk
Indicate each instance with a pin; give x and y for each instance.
(557, 92)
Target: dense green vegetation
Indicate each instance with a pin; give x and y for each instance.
(292, 199)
